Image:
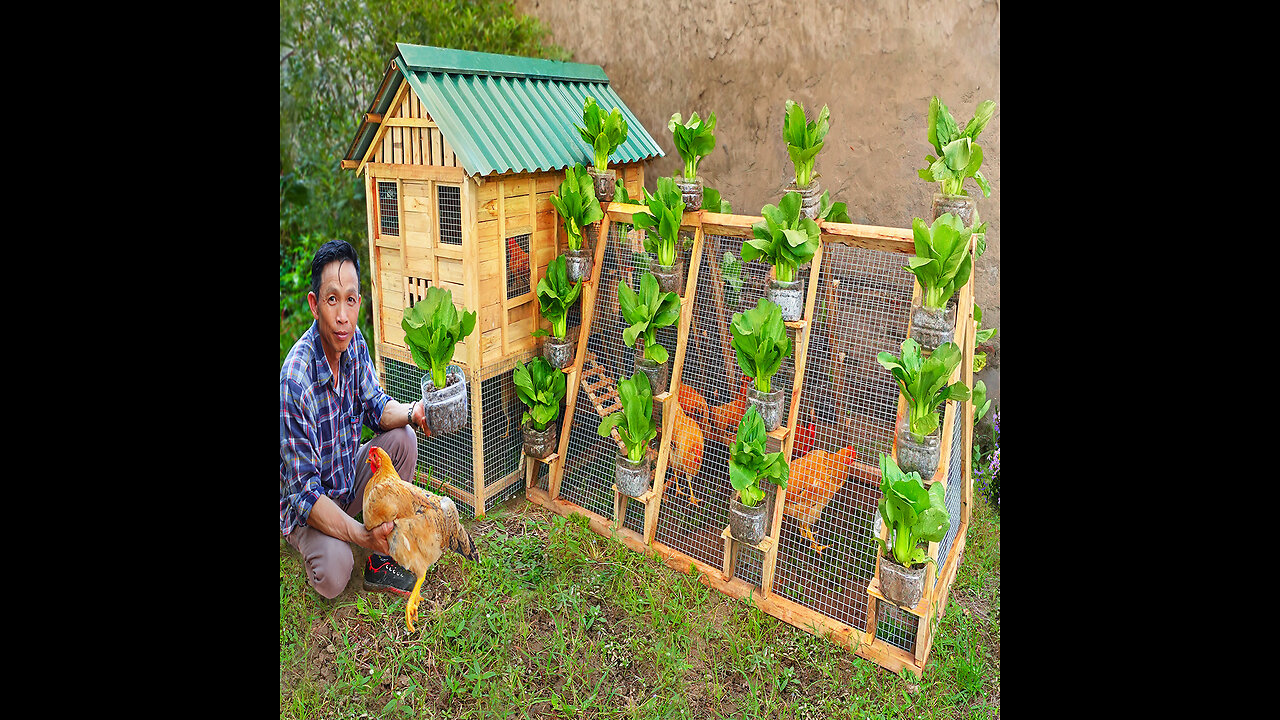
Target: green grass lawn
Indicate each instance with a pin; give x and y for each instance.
(556, 621)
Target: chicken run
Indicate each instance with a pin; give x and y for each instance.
(817, 565)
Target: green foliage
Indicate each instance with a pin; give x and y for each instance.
(647, 311)
(942, 262)
(748, 461)
(333, 55)
(577, 204)
(835, 212)
(783, 238)
(603, 131)
(731, 273)
(912, 514)
(666, 210)
(635, 420)
(980, 402)
(694, 140)
(804, 139)
(711, 200)
(540, 386)
(923, 381)
(959, 155)
(760, 341)
(432, 328)
(980, 358)
(556, 296)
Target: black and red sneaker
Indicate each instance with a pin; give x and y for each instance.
(382, 574)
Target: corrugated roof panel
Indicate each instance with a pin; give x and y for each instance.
(503, 113)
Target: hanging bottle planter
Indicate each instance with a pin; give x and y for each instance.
(633, 471)
(760, 339)
(432, 328)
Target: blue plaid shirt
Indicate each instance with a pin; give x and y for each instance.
(320, 427)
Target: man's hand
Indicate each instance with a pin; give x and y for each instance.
(377, 540)
(420, 418)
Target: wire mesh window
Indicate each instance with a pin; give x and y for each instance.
(388, 208)
(449, 204)
(444, 461)
(518, 266)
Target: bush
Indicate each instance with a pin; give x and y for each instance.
(986, 470)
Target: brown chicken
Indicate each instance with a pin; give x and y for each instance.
(425, 524)
(686, 452)
(723, 419)
(814, 480)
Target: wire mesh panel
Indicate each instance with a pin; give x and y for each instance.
(827, 549)
(443, 460)
(589, 467)
(955, 488)
(518, 265)
(449, 199)
(503, 438)
(896, 626)
(388, 208)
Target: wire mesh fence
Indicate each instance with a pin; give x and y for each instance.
(444, 461)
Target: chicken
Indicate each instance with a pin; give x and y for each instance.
(724, 419)
(814, 480)
(425, 524)
(692, 402)
(805, 437)
(686, 452)
(517, 259)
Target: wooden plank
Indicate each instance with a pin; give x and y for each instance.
(376, 144)
(408, 122)
(417, 172)
(450, 270)
(471, 297)
(370, 195)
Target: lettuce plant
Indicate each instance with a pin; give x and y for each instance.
(540, 386)
(942, 262)
(577, 204)
(556, 296)
(432, 327)
(647, 311)
(914, 516)
(666, 210)
(804, 139)
(748, 462)
(760, 341)
(635, 420)
(694, 140)
(959, 155)
(604, 132)
(923, 382)
(784, 238)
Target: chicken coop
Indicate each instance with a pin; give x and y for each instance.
(817, 566)
(460, 152)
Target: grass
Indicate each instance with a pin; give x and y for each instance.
(556, 621)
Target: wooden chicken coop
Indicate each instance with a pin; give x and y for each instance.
(460, 153)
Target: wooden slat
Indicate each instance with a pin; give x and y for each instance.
(417, 172)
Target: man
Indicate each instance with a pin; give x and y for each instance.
(328, 389)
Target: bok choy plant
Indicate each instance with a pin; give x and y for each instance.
(556, 296)
(694, 140)
(666, 210)
(784, 238)
(760, 342)
(577, 204)
(924, 382)
(634, 421)
(603, 131)
(804, 139)
(647, 311)
(748, 461)
(432, 327)
(959, 155)
(914, 516)
(540, 387)
(942, 262)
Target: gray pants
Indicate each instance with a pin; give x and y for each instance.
(328, 560)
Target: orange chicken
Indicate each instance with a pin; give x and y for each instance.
(425, 524)
(724, 419)
(814, 480)
(686, 452)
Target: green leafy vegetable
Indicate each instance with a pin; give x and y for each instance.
(731, 273)
(748, 461)
(556, 296)
(784, 238)
(604, 132)
(694, 140)
(959, 155)
(835, 212)
(913, 515)
(647, 311)
(635, 420)
(666, 210)
(540, 386)
(760, 341)
(577, 204)
(942, 262)
(923, 382)
(980, 337)
(804, 139)
(711, 200)
(432, 327)
(980, 402)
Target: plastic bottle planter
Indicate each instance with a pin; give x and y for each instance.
(539, 443)
(445, 408)
(577, 264)
(657, 373)
(690, 192)
(746, 524)
(633, 479)
(903, 586)
(931, 327)
(958, 205)
(558, 352)
(789, 296)
(670, 277)
(918, 453)
(604, 181)
(768, 404)
(810, 197)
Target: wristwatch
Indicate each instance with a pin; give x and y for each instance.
(415, 402)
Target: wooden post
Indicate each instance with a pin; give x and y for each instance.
(471, 270)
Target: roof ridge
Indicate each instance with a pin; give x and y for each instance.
(427, 58)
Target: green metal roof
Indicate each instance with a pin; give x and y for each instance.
(502, 113)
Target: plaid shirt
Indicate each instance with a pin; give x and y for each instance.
(320, 427)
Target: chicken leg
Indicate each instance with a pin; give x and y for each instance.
(808, 533)
(411, 607)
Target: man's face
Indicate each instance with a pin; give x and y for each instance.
(337, 306)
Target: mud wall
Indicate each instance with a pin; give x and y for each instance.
(876, 64)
